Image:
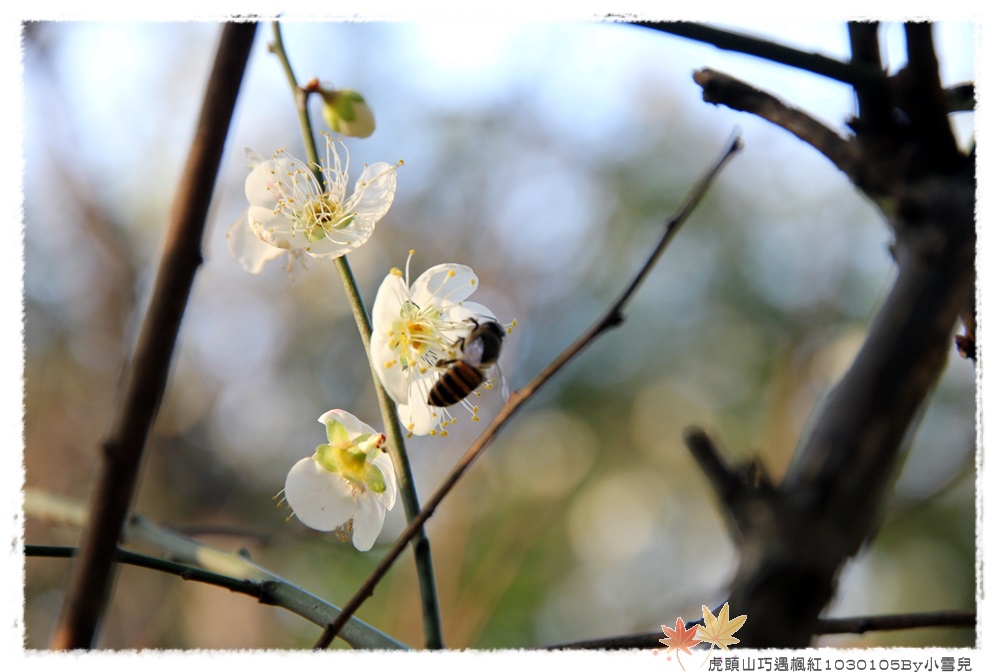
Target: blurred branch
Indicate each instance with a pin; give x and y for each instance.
(793, 540)
(924, 100)
(827, 626)
(961, 97)
(211, 530)
(234, 571)
(433, 635)
(855, 74)
(874, 104)
(719, 88)
(90, 583)
(612, 318)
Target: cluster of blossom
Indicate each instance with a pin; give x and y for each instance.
(418, 329)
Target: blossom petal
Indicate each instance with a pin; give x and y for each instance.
(368, 519)
(337, 244)
(253, 156)
(443, 283)
(247, 249)
(373, 196)
(416, 414)
(389, 300)
(384, 464)
(354, 427)
(321, 500)
(262, 184)
(377, 187)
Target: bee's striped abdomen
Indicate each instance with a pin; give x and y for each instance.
(455, 384)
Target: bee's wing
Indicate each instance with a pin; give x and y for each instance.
(472, 352)
(502, 381)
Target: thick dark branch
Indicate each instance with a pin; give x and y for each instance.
(746, 492)
(874, 101)
(924, 100)
(833, 494)
(794, 540)
(720, 89)
(147, 375)
(961, 97)
(855, 74)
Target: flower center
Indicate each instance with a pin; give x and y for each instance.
(417, 335)
(321, 216)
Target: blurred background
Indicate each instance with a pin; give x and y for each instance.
(546, 156)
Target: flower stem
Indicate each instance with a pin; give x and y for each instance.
(390, 419)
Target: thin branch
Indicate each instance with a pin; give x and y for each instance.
(932, 619)
(236, 568)
(828, 626)
(90, 585)
(272, 592)
(855, 74)
(186, 572)
(612, 318)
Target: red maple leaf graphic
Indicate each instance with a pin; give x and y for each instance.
(679, 639)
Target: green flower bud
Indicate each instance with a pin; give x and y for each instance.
(347, 113)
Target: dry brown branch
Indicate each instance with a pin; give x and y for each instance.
(146, 379)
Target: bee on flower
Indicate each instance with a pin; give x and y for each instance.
(432, 348)
(292, 212)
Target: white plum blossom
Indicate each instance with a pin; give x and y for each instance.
(348, 479)
(292, 213)
(416, 326)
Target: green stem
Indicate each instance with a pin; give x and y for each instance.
(390, 419)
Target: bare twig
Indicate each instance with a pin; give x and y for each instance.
(828, 626)
(612, 318)
(122, 450)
